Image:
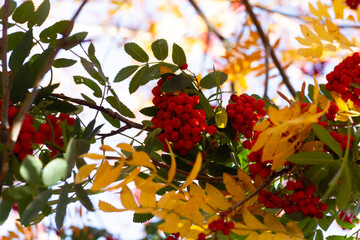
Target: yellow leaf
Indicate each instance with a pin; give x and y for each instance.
(323, 101)
(185, 227)
(262, 126)
(246, 179)
(217, 198)
(312, 146)
(273, 223)
(164, 69)
(253, 236)
(141, 158)
(321, 31)
(106, 176)
(313, 10)
(127, 199)
(307, 19)
(331, 27)
(266, 236)
(351, 18)
(129, 178)
(339, 8)
(339, 102)
(233, 187)
(309, 34)
(107, 148)
(126, 147)
(13, 235)
(306, 52)
(252, 222)
(323, 10)
(292, 227)
(148, 185)
(92, 156)
(317, 52)
(304, 41)
(240, 229)
(159, 213)
(147, 199)
(172, 169)
(167, 201)
(84, 172)
(221, 118)
(194, 172)
(282, 236)
(358, 14)
(171, 223)
(107, 207)
(330, 47)
(19, 227)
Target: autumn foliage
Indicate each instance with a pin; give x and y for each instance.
(212, 163)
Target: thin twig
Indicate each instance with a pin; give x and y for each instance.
(25, 106)
(112, 114)
(265, 40)
(5, 87)
(267, 69)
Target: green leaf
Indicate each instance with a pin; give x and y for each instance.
(311, 158)
(325, 222)
(139, 79)
(90, 83)
(74, 40)
(319, 235)
(160, 49)
(326, 138)
(15, 194)
(90, 68)
(21, 51)
(178, 55)
(63, 62)
(88, 129)
(24, 12)
(88, 99)
(61, 207)
(136, 52)
(39, 60)
(125, 72)
(317, 173)
(30, 169)
(12, 7)
(345, 187)
(14, 39)
(337, 237)
(50, 34)
(83, 197)
(23, 80)
(5, 208)
(40, 14)
(114, 122)
(150, 140)
(142, 217)
(344, 224)
(35, 206)
(74, 149)
(92, 57)
(213, 79)
(61, 106)
(46, 92)
(54, 171)
(221, 117)
(150, 111)
(118, 105)
(176, 83)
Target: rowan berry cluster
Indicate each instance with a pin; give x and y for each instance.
(51, 130)
(295, 197)
(28, 135)
(182, 124)
(346, 217)
(345, 73)
(256, 166)
(332, 111)
(342, 139)
(221, 225)
(173, 236)
(353, 4)
(244, 112)
(201, 236)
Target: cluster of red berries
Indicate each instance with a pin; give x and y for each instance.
(256, 166)
(346, 72)
(353, 4)
(342, 139)
(244, 112)
(346, 217)
(29, 135)
(173, 236)
(221, 225)
(332, 111)
(51, 130)
(297, 198)
(181, 123)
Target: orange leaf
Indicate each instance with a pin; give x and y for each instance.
(107, 207)
(194, 172)
(172, 169)
(92, 156)
(84, 172)
(127, 199)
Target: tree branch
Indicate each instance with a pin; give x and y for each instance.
(112, 114)
(265, 40)
(25, 106)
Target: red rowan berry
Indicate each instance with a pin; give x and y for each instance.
(183, 67)
(247, 145)
(323, 206)
(264, 173)
(188, 144)
(211, 130)
(201, 236)
(176, 122)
